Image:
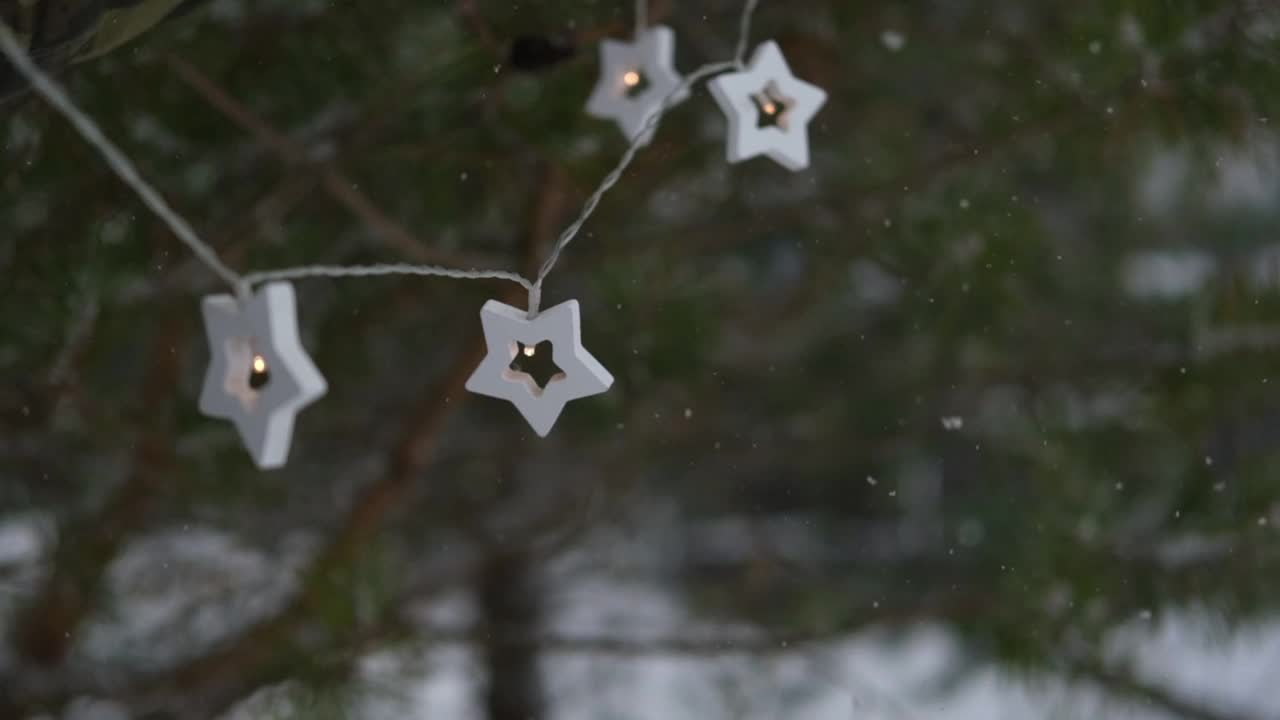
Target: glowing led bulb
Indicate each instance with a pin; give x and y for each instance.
(529, 350)
(259, 364)
(770, 108)
(631, 78)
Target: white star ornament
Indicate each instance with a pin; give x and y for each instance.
(259, 375)
(508, 332)
(635, 79)
(769, 109)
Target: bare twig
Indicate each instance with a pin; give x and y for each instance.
(1129, 686)
(336, 184)
(85, 550)
(480, 28)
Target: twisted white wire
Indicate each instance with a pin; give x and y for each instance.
(566, 237)
(614, 175)
(337, 271)
(44, 85)
(744, 32)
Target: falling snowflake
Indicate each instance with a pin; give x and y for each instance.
(893, 40)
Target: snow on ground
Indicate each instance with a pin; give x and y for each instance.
(872, 676)
(875, 675)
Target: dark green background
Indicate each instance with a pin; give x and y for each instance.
(917, 376)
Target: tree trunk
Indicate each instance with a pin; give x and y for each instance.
(511, 611)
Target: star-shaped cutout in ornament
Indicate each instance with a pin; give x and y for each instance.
(535, 366)
(769, 109)
(516, 368)
(773, 109)
(635, 79)
(259, 375)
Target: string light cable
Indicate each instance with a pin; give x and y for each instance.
(120, 164)
(253, 332)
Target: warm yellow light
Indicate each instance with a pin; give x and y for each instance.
(631, 79)
(529, 350)
(770, 108)
(259, 364)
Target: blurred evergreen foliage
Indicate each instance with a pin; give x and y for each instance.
(1002, 358)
